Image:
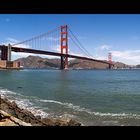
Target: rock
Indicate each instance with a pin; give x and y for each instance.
(74, 123)
(28, 117)
(8, 120)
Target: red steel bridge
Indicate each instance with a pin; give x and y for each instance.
(54, 43)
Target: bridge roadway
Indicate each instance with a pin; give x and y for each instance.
(27, 50)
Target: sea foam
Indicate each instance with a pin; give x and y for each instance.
(81, 109)
(36, 110)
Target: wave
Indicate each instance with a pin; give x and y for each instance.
(80, 109)
(4, 92)
(25, 103)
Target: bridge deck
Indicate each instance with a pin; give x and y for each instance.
(27, 50)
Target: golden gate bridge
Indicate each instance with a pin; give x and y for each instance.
(56, 42)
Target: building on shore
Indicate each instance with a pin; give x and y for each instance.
(9, 64)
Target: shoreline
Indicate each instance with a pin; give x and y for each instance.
(26, 116)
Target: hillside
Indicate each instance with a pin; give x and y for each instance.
(38, 62)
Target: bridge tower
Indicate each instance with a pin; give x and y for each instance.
(9, 53)
(64, 47)
(6, 53)
(110, 60)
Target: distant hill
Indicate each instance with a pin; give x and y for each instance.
(39, 62)
(122, 65)
(85, 64)
(137, 66)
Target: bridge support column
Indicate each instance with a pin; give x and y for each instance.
(64, 47)
(4, 53)
(9, 53)
(110, 60)
(109, 66)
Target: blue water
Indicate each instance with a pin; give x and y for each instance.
(93, 97)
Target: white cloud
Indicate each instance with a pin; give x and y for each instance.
(105, 47)
(56, 48)
(11, 41)
(131, 57)
(22, 46)
(101, 52)
(16, 55)
(53, 38)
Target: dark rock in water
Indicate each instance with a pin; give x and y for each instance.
(28, 117)
(19, 87)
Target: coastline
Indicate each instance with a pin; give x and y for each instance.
(11, 110)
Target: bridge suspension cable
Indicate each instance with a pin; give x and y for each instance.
(37, 37)
(78, 43)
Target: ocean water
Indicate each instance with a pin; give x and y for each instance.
(92, 97)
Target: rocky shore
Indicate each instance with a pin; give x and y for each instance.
(11, 112)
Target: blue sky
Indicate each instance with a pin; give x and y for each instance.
(99, 33)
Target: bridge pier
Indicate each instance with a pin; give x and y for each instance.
(64, 47)
(110, 60)
(64, 63)
(109, 66)
(9, 53)
(5, 62)
(6, 53)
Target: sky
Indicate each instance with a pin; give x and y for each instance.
(99, 33)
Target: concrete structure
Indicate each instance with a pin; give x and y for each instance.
(9, 64)
(3, 63)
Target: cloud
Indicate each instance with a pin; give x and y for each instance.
(101, 52)
(53, 38)
(105, 47)
(56, 48)
(16, 55)
(11, 41)
(131, 57)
